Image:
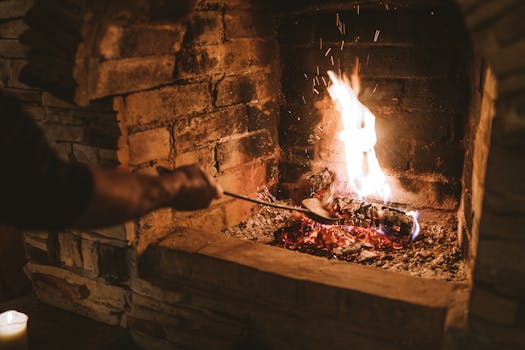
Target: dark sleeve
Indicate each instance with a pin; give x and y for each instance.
(37, 189)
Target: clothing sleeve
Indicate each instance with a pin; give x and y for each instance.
(37, 189)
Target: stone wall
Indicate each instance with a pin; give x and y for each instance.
(155, 93)
(497, 304)
(212, 291)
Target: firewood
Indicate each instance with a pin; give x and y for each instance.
(365, 214)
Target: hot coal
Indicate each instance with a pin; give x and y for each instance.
(434, 254)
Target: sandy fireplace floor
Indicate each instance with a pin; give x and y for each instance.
(435, 254)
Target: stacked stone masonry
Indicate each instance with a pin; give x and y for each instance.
(200, 111)
(204, 90)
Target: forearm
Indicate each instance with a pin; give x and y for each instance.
(119, 196)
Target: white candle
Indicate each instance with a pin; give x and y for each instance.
(13, 330)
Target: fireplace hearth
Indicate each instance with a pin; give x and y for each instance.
(242, 87)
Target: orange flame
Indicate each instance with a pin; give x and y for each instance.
(365, 177)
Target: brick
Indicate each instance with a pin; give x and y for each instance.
(167, 103)
(131, 74)
(296, 30)
(208, 220)
(70, 250)
(69, 291)
(204, 156)
(245, 179)
(56, 132)
(149, 145)
(12, 48)
(444, 159)
(24, 95)
(492, 307)
(206, 28)
(153, 227)
(113, 263)
(237, 211)
(487, 11)
(401, 62)
(37, 112)
(246, 88)
(14, 8)
(263, 115)
(16, 67)
(5, 70)
(509, 27)
(501, 265)
(420, 126)
(232, 57)
(410, 25)
(381, 92)
(89, 253)
(508, 59)
(12, 29)
(245, 149)
(247, 24)
(435, 95)
(141, 40)
(63, 149)
(191, 132)
(119, 235)
(108, 157)
(393, 154)
(85, 154)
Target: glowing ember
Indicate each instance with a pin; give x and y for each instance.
(365, 177)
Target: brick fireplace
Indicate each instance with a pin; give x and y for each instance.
(232, 87)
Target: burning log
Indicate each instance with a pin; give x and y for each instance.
(390, 221)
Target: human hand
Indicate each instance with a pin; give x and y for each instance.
(189, 187)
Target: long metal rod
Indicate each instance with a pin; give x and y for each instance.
(270, 204)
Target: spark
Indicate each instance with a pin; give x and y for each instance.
(313, 81)
(321, 43)
(327, 52)
(375, 88)
(332, 60)
(342, 45)
(304, 100)
(317, 80)
(324, 81)
(317, 70)
(358, 10)
(316, 91)
(305, 76)
(376, 35)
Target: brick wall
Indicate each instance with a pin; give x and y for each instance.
(496, 318)
(153, 93)
(414, 79)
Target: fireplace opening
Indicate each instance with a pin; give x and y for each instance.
(409, 71)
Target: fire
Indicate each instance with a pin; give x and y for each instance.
(364, 174)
